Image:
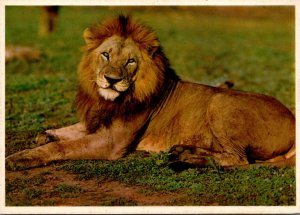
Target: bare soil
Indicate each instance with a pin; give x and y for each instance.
(39, 186)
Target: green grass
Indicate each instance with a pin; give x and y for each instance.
(26, 187)
(254, 186)
(253, 47)
(67, 191)
(67, 188)
(32, 193)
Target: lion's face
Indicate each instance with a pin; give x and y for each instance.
(118, 61)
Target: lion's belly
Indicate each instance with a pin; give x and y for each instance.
(160, 140)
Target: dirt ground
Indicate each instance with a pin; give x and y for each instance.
(40, 188)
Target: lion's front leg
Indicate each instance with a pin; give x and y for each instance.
(27, 159)
(89, 147)
(72, 132)
(35, 157)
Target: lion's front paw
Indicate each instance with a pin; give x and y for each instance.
(45, 137)
(24, 160)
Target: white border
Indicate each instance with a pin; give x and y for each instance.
(138, 209)
(155, 210)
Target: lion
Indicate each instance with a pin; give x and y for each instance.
(26, 53)
(129, 98)
(48, 20)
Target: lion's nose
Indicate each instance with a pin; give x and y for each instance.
(112, 79)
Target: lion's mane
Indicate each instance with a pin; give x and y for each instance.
(156, 82)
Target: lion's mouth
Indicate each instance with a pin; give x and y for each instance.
(118, 88)
(111, 91)
(113, 87)
(108, 93)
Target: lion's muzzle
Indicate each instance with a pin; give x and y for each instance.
(115, 82)
(112, 79)
(111, 85)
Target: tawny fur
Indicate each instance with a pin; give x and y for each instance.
(151, 109)
(22, 53)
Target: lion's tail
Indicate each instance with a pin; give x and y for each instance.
(288, 159)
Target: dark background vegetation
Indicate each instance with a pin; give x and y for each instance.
(252, 46)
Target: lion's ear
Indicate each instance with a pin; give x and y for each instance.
(88, 36)
(151, 50)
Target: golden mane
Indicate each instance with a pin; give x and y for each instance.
(95, 111)
(125, 27)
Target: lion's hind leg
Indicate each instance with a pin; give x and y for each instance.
(285, 160)
(200, 157)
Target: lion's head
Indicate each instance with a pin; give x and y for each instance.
(116, 71)
(122, 70)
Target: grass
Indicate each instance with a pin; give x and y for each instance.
(67, 191)
(254, 186)
(67, 188)
(254, 47)
(26, 187)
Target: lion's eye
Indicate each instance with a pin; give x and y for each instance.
(105, 55)
(131, 61)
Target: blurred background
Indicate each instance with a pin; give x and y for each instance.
(252, 46)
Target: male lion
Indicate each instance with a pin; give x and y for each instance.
(129, 98)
